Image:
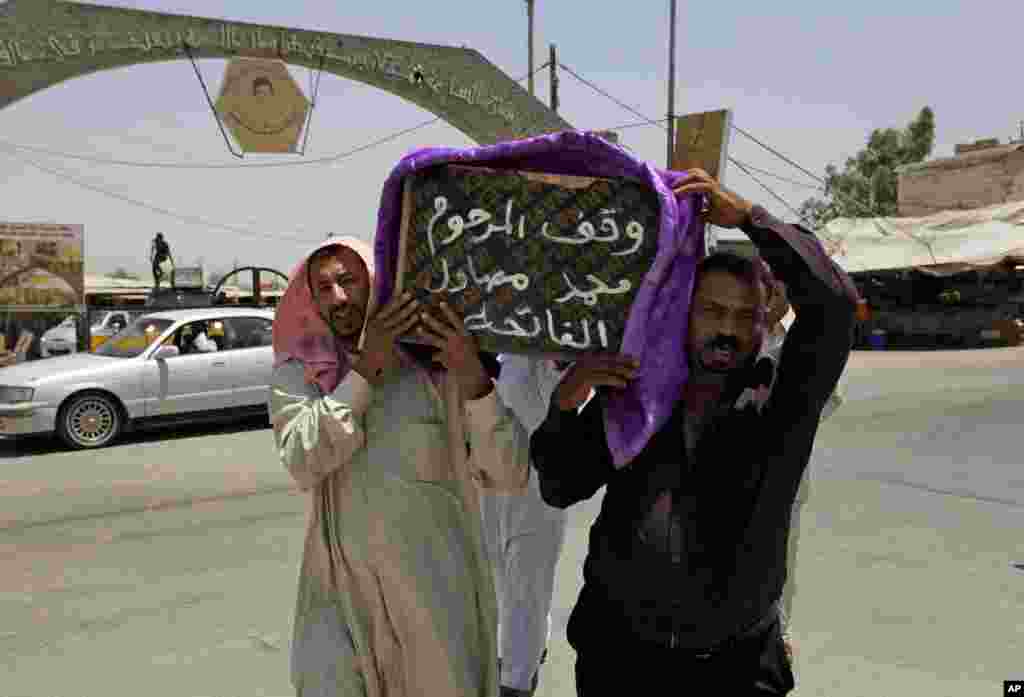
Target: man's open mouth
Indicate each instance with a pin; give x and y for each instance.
(721, 355)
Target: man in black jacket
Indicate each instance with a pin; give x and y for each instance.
(687, 559)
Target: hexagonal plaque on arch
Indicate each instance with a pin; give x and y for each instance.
(262, 105)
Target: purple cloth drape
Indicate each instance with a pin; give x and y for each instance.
(658, 321)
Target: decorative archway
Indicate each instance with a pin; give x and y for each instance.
(45, 42)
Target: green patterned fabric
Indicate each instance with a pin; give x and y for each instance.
(521, 211)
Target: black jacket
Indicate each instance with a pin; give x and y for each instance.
(734, 502)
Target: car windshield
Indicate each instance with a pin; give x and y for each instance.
(104, 319)
(133, 339)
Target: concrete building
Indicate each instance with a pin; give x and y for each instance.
(980, 174)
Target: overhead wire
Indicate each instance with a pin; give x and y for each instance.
(741, 131)
(660, 123)
(647, 121)
(314, 93)
(184, 217)
(188, 218)
(841, 197)
(650, 121)
(608, 95)
(625, 126)
(191, 219)
(636, 124)
(779, 155)
(774, 195)
(329, 159)
(209, 100)
(773, 175)
(210, 165)
(323, 160)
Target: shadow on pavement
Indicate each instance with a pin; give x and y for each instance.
(48, 445)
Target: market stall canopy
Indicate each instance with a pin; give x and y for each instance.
(943, 244)
(96, 284)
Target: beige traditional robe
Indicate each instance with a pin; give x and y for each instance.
(410, 606)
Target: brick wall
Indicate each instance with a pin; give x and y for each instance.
(972, 180)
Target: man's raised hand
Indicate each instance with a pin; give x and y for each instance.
(725, 208)
(379, 355)
(457, 351)
(592, 371)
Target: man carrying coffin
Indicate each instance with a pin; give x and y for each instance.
(395, 594)
(687, 559)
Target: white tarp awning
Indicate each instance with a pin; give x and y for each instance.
(945, 243)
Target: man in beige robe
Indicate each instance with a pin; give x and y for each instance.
(396, 595)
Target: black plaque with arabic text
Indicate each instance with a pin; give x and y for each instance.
(534, 263)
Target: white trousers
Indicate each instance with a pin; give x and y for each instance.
(789, 590)
(524, 538)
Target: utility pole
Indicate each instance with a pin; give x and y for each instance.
(553, 67)
(530, 15)
(671, 84)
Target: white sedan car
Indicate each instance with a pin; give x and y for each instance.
(63, 339)
(164, 368)
(60, 340)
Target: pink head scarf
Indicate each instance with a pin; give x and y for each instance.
(299, 331)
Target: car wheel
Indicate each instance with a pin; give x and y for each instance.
(89, 420)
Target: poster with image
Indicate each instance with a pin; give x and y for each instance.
(41, 267)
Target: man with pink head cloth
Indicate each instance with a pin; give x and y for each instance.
(396, 596)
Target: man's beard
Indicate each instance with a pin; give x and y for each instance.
(346, 322)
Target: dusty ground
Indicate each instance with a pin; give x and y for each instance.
(166, 566)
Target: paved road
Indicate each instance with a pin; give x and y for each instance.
(158, 567)
(166, 565)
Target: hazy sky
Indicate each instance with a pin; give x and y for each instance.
(810, 78)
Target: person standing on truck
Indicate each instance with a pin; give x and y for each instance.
(158, 255)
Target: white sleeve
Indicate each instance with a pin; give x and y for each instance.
(316, 433)
(526, 385)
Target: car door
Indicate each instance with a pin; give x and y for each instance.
(192, 381)
(253, 359)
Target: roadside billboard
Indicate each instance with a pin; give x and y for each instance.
(42, 267)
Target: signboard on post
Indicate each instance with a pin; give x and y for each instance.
(534, 263)
(702, 142)
(41, 267)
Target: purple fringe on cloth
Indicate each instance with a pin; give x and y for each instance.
(658, 320)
